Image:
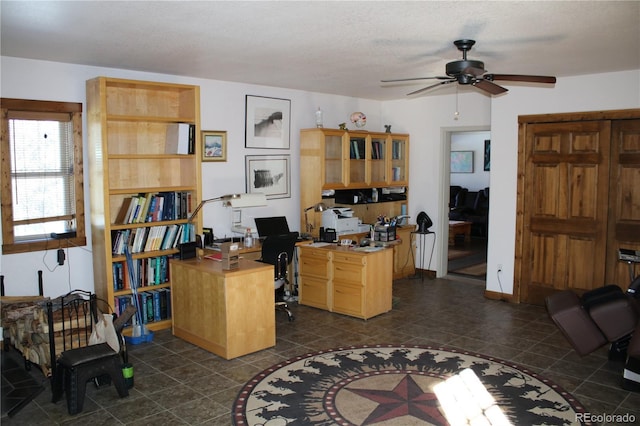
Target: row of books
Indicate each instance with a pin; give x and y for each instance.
(396, 150)
(151, 238)
(377, 150)
(150, 207)
(148, 272)
(155, 305)
(357, 149)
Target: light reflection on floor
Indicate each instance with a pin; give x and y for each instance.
(465, 401)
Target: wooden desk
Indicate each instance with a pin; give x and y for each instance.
(459, 228)
(403, 253)
(347, 281)
(230, 313)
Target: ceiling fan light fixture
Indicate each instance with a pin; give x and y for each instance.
(469, 71)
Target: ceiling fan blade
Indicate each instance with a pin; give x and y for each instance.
(488, 86)
(416, 78)
(431, 87)
(519, 77)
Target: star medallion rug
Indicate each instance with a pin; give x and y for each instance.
(401, 385)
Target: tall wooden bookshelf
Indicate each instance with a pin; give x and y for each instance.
(131, 153)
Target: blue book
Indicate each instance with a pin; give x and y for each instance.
(156, 305)
(149, 306)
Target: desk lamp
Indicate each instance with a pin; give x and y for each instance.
(235, 201)
(318, 207)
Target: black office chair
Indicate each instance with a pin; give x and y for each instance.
(278, 250)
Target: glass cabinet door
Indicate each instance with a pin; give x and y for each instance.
(378, 157)
(334, 175)
(399, 160)
(358, 152)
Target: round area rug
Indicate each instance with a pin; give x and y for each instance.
(401, 385)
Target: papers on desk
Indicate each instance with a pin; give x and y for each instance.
(368, 249)
(320, 244)
(215, 256)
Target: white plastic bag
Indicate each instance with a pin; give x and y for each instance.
(105, 332)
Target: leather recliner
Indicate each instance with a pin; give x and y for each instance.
(602, 316)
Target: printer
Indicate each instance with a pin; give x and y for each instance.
(341, 219)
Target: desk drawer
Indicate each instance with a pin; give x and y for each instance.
(347, 299)
(317, 266)
(349, 257)
(349, 272)
(313, 292)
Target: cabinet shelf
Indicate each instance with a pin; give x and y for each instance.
(127, 291)
(148, 119)
(136, 190)
(119, 226)
(150, 156)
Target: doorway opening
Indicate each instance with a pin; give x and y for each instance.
(469, 152)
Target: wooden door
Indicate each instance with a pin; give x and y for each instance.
(563, 197)
(624, 211)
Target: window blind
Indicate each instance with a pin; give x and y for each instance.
(42, 161)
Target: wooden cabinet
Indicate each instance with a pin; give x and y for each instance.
(230, 313)
(314, 276)
(346, 281)
(132, 154)
(352, 160)
(403, 250)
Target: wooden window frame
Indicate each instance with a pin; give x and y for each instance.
(9, 244)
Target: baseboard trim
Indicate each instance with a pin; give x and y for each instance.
(494, 295)
(426, 273)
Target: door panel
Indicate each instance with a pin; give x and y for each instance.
(565, 200)
(624, 220)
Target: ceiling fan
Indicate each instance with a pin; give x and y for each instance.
(469, 71)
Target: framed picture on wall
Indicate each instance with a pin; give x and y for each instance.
(461, 161)
(267, 122)
(268, 174)
(487, 155)
(214, 145)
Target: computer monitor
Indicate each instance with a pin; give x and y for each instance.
(276, 225)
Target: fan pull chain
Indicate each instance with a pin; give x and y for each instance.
(456, 114)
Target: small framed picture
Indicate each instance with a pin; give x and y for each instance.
(267, 122)
(269, 174)
(214, 145)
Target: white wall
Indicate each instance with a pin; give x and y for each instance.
(471, 141)
(429, 120)
(222, 106)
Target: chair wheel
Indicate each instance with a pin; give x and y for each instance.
(291, 318)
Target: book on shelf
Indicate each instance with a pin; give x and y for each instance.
(396, 150)
(177, 138)
(124, 212)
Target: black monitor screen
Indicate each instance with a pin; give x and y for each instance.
(276, 225)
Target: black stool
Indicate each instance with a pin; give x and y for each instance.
(77, 366)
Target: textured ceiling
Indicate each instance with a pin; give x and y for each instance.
(326, 46)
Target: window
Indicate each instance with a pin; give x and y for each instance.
(42, 188)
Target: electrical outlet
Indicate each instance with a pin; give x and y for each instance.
(499, 267)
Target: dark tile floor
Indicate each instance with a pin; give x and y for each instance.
(178, 383)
